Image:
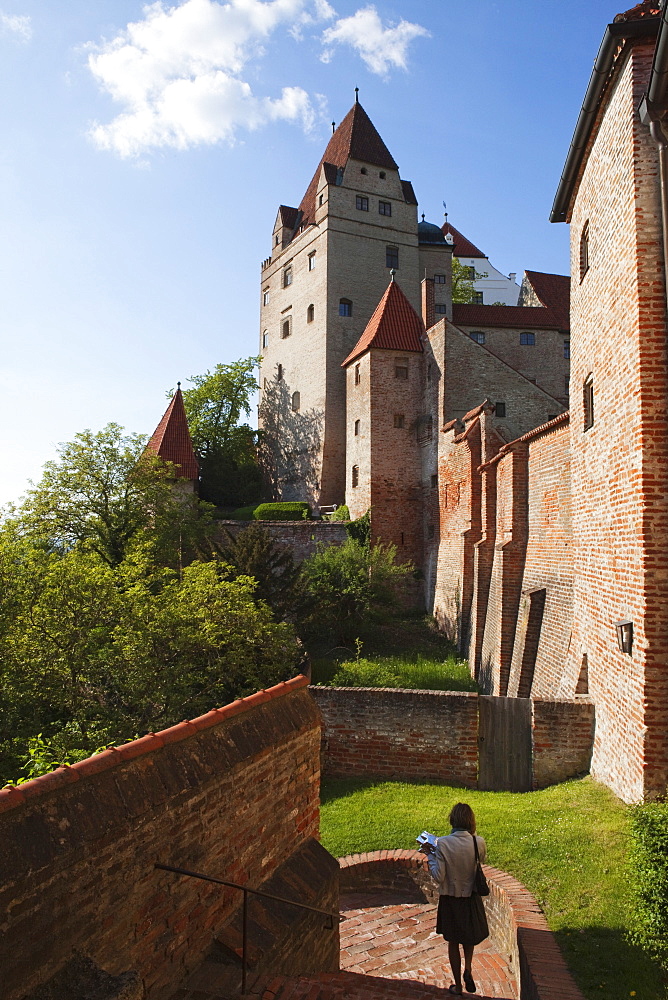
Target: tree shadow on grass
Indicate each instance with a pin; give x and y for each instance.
(604, 963)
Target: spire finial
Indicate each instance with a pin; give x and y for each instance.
(333, 127)
(392, 274)
(357, 95)
(423, 216)
(178, 385)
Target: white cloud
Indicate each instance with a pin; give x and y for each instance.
(16, 24)
(379, 47)
(177, 73)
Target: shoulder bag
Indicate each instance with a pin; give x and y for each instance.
(480, 882)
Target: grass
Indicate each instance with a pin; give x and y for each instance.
(567, 844)
(408, 652)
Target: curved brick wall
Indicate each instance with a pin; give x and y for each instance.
(516, 921)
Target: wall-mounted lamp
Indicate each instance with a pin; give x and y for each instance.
(624, 631)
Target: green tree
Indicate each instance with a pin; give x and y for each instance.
(229, 473)
(254, 553)
(463, 285)
(349, 587)
(103, 491)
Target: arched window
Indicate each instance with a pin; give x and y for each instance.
(286, 328)
(265, 338)
(310, 313)
(345, 307)
(584, 250)
(296, 402)
(356, 475)
(357, 428)
(588, 401)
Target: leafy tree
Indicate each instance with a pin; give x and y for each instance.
(229, 472)
(91, 654)
(253, 552)
(103, 491)
(348, 587)
(463, 286)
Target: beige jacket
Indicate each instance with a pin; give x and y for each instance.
(452, 864)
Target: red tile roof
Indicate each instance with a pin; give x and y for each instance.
(356, 138)
(394, 326)
(554, 291)
(409, 193)
(288, 216)
(649, 8)
(463, 247)
(171, 439)
(528, 317)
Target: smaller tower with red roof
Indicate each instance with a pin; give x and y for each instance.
(385, 424)
(171, 442)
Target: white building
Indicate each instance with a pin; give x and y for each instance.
(494, 287)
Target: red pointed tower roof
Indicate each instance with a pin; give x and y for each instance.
(463, 247)
(394, 326)
(171, 439)
(356, 138)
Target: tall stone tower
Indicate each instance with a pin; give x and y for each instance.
(329, 267)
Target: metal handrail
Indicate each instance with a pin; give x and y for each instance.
(244, 920)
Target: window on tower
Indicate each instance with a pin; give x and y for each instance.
(265, 338)
(286, 328)
(567, 350)
(310, 313)
(440, 310)
(399, 420)
(362, 203)
(588, 401)
(439, 279)
(287, 277)
(401, 368)
(265, 297)
(528, 339)
(311, 261)
(391, 257)
(357, 428)
(345, 307)
(584, 250)
(385, 208)
(296, 402)
(355, 479)
(358, 377)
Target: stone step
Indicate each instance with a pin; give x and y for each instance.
(348, 986)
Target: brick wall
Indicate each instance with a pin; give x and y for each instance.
(619, 464)
(300, 537)
(562, 737)
(433, 735)
(233, 794)
(385, 733)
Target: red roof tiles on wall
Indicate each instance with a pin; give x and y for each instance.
(463, 247)
(171, 439)
(356, 138)
(531, 317)
(394, 326)
(641, 10)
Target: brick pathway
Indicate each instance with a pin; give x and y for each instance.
(383, 937)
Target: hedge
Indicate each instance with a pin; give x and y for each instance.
(289, 511)
(649, 879)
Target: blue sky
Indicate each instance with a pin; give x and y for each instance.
(146, 149)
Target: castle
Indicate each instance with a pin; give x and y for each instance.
(541, 535)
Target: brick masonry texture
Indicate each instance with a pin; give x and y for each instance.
(517, 925)
(620, 463)
(302, 538)
(234, 794)
(433, 735)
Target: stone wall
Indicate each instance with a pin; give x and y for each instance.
(234, 794)
(433, 735)
(300, 537)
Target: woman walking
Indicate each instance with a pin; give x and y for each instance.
(461, 915)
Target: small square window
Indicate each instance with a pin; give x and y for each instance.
(567, 350)
(357, 428)
(401, 371)
(528, 339)
(382, 175)
(385, 208)
(440, 310)
(391, 257)
(363, 170)
(500, 409)
(311, 262)
(287, 277)
(358, 377)
(399, 420)
(265, 297)
(434, 481)
(439, 279)
(355, 479)
(361, 203)
(478, 336)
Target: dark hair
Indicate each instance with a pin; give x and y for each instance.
(462, 817)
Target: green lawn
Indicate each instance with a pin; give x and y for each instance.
(567, 844)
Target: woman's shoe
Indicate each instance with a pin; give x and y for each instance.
(453, 989)
(469, 982)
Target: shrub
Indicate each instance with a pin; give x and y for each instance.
(365, 673)
(649, 879)
(360, 530)
(340, 514)
(288, 511)
(244, 513)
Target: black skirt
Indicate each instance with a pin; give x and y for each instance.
(462, 919)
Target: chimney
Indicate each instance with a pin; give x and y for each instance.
(428, 302)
